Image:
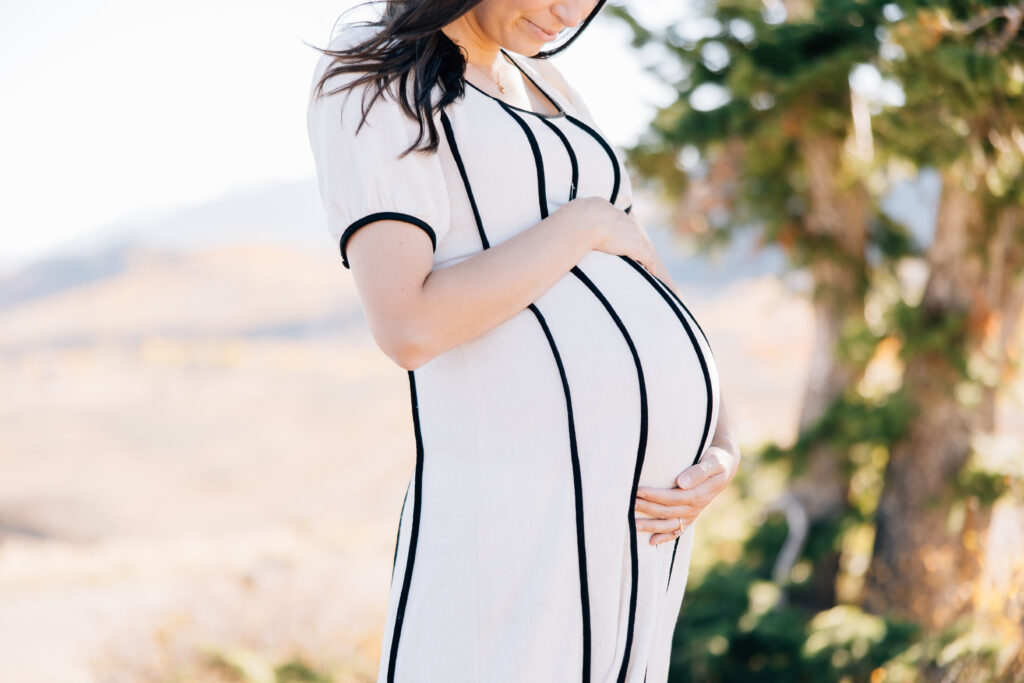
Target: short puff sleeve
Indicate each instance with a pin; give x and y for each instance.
(361, 177)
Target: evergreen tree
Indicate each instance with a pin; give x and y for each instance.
(766, 133)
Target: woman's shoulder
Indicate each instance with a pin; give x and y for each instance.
(343, 37)
(340, 83)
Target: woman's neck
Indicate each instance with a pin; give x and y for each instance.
(480, 50)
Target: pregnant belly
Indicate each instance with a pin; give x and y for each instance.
(602, 362)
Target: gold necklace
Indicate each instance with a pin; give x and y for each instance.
(493, 78)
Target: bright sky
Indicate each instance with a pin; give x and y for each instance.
(112, 107)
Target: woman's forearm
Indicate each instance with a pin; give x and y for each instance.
(461, 302)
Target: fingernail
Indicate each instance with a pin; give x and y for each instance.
(685, 480)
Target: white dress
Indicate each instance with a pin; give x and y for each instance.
(517, 559)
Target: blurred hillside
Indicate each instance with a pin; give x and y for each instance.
(195, 414)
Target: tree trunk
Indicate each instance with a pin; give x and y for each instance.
(926, 561)
(838, 216)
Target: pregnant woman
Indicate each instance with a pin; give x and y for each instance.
(568, 420)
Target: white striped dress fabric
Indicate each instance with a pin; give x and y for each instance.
(516, 558)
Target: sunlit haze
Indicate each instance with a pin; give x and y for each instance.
(114, 107)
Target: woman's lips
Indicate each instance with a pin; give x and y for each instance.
(541, 32)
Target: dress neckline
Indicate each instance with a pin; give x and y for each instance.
(561, 111)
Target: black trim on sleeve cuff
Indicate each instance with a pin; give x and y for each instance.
(384, 215)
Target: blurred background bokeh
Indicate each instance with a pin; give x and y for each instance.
(203, 454)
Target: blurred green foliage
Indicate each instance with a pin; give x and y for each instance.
(737, 624)
(764, 103)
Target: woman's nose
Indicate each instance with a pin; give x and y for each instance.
(571, 12)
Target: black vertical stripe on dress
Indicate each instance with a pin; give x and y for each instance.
(574, 164)
(643, 390)
(653, 280)
(680, 302)
(597, 136)
(414, 532)
(542, 191)
(577, 480)
(694, 318)
(573, 449)
(642, 445)
(607, 149)
(675, 545)
(693, 340)
(398, 534)
(450, 136)
(641, 450)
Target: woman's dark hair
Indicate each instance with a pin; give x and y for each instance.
(411, 44)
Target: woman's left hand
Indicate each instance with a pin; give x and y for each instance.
(697, 486)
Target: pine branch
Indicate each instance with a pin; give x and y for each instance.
(1014, 15)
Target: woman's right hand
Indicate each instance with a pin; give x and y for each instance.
(613, 230)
